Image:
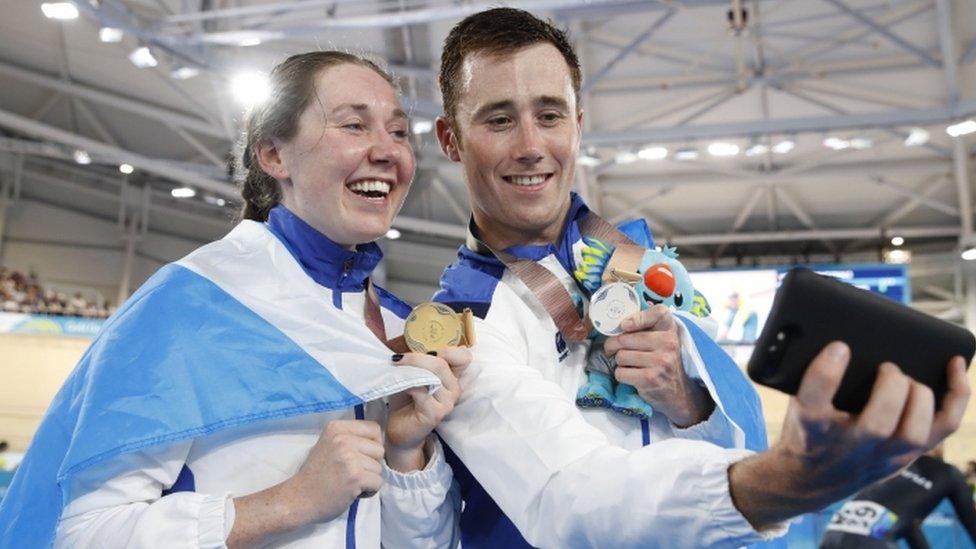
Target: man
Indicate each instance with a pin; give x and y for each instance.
(537, 470)
(883, 513)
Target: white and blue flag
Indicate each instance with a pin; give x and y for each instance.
(236, 332)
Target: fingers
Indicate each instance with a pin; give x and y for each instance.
(949, 417)
(435, 365)
(658, 317)
(643, 341)
(637, 377)
(356, 427)
(457, 358)
(370, 483)
(821, 381)
(888, 399)
(916, 421)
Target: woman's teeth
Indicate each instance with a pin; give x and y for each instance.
(526, 180)
(372, 189)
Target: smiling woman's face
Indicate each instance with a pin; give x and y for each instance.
(348, 168)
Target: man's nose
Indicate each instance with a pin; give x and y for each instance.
(529, 147)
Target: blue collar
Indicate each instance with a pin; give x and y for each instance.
(563, 248)
(326, 262)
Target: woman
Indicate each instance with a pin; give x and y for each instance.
(238, 396)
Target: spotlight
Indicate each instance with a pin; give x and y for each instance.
(917, 136)
(962, 128)
(757, 149)
(183, 192)
(590, 160)
(250, 88)
(897, 241)
(248, 42)
(143, 58)
(214, 200)
(969, 254)
(861, 143)
(784, 146)
(82, 157)
(723, 149)
(110, 35)
(183, 73)
(653, 153)
(421, 126)
(836, 143)
(126, 168)
(393, 234)
(59, 10)
(625, 157)
(688, 153)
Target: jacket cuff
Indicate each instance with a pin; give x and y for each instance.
(216, 519)
(731, 528)
(436, 473)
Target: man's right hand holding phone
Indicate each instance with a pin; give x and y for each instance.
(824, 455)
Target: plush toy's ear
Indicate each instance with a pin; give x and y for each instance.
(596, 256)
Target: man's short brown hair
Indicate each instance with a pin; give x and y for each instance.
(499, 32)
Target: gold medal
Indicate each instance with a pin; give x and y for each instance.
(433, 326)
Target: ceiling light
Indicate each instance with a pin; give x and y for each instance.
(784, 146)
(393, 234)
(962, 128)
(897, 256)
(247, 42)
(183, 73)
(969, 254)
(897, 241)
(757, 149)
(126, 168)
(110, 35)
(653, 153)
(720, 148)
(625, 157)
(59, 10)
(589, 160)
(143, 58)
(861, 143)
(836, 143)
(917, 136)
(250, 88)
(183, 192)
(82, 157)
(214, 200)
(421, 126)
(688, 153)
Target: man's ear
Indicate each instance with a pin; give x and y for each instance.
(448, 139)
(269, 158)
(579, 121)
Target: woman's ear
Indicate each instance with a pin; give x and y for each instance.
(448, 138)
(269, 158)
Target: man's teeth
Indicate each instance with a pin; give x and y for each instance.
(528, 179)
(381, 187)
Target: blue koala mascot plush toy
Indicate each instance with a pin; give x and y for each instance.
(661, 279)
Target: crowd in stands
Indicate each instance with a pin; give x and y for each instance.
(20, 293)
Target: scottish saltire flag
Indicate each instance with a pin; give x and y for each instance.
(233, 333)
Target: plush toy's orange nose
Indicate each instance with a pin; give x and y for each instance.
(660, 280)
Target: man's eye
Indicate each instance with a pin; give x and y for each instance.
(355, 126)
(499, 121)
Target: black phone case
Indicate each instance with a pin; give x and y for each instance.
(811, 310)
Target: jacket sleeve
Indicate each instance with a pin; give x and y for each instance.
(127, 510)
(421, 509)
(563, 483)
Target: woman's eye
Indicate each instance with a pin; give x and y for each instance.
(354, 126)
(399, 134)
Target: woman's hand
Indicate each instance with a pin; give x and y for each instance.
(345, 463)
(415, 412)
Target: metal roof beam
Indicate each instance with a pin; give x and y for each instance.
(627, 50)
(858, 233)
(888, 119)
(886, 32)
(113, 100)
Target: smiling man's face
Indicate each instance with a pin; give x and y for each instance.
(517, 135)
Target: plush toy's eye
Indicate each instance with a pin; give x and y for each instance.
(678, 299)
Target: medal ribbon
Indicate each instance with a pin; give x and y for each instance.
(374, 321)
(546, 286)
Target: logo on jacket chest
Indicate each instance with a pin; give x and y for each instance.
(561, 348)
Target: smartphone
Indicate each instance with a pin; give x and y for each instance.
(810, 310)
